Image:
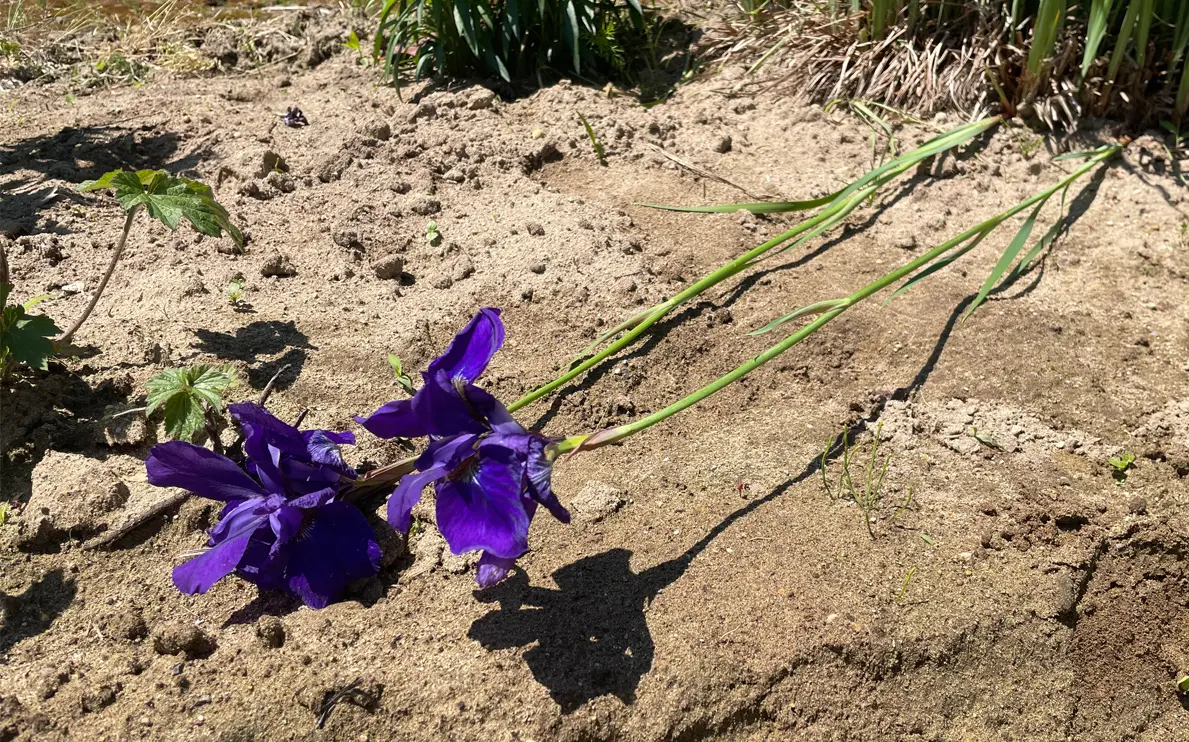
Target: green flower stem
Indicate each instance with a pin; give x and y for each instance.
(382, 479)
(613, 435)
(111, 268)
(846, 202)
(817, 224)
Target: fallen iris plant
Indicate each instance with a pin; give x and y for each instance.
(289, 521)
(284, 524)
(488, 472)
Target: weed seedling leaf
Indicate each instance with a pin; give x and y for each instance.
(24, 338)
(169, 200)
(398, 370)
(185, 395)
(594, 141)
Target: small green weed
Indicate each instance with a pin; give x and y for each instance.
(398, 369)
(1183, 683)
(1120, 465)
(24, 338)
(433, 235)
(190, 397)
(594, 141)
(4, 511)
(235, 292)
(870, 495)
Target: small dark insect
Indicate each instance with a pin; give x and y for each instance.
(742, 487)
(294, 117)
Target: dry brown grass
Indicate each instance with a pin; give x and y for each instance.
(968, 64)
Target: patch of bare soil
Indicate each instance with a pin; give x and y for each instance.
(709, 588)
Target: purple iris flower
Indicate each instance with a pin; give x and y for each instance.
(488, 472)
(283, 526)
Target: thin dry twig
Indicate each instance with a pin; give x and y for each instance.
(706, 173)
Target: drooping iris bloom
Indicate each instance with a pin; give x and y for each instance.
(488, 472)
(283, 525)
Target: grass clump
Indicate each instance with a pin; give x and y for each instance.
(1056, 60)
(869, 493)
(509, 39)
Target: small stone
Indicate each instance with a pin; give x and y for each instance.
(332, 166)
(270, 631)
(722, 145)
(907, 242)
(98, 698)
(124, 427)
(176, 637)
(125, 625)
(454, 175)
(389, 268)
(463, 269)
(535, 229)
(425, 111)
(1137, 505)
(424, 205)
(537, 268)
(283, 182)
(277, 265)
(47, 682)
(376, 129)
(74, 288)
(480, 100)
(193, 287)
(596, 501)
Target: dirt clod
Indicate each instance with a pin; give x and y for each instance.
(389, 268)
(277, 264)
(178, 637)
(270, 631)
(596, 501)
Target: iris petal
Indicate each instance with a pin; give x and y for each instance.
(443, 410)
(322, 447)
(540, 471)
(204, 570)
(408, 493)
(497, 415)
(394, 420)
(492, 569)
(472, 349)
(338, 549)
(197, 470)
(481, 510)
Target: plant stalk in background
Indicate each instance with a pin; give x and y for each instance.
(830, 309)
(837, 206)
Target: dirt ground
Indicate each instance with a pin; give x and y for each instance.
(709, 587)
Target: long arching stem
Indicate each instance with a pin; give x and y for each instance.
(111, 268)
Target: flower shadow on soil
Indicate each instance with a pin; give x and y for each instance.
(591, 634)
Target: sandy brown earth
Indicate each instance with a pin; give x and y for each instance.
(709, 587)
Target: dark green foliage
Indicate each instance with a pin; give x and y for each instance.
(169, 199)
(24, 338)
(186, 395)
(508, 39)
